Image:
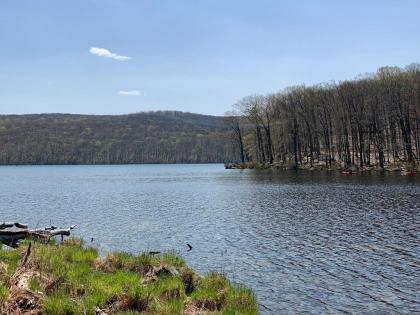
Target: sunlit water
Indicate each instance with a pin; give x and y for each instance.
(306, 243)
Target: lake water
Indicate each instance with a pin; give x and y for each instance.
(305, 242)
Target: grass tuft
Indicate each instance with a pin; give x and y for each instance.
(73, 279)
(4, 293)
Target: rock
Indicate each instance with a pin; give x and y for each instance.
(166, 270)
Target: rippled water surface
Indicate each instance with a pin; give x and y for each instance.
(305, 242)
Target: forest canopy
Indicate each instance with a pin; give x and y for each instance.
(370, 121)
(373, 120)
(153, 137)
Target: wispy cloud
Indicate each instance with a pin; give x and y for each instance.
(102, 52)
(130, 93)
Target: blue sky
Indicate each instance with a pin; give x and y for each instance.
(190, 55)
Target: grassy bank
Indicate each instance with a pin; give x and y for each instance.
(72, 279)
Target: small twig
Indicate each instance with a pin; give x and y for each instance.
(26, 256)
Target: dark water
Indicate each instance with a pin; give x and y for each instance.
(306, 243)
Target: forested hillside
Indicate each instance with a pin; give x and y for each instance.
(154, 137)
(370, 121)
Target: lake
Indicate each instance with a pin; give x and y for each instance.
(307, 242)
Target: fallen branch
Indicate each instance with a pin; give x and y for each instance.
(13, 238)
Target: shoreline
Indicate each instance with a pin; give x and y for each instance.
(71, 278)
(397, 167)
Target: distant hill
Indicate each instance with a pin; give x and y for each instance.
(153, 137)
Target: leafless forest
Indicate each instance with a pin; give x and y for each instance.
(370, 121)
(373, 121)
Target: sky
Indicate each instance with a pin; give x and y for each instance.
(202, 56)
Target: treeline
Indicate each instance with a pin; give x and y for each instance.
(154, 137)
(370, 121)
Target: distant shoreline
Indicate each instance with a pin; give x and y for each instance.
(155, 137)
(395, 167)
(113, 164)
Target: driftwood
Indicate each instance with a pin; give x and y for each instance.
(21, 232)
(5, 225)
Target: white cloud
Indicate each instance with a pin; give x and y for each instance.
(102, 52)
(130, 93)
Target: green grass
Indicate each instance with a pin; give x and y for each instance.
(60, 305)
(9, 258)
(75, 280)
(4, 293)
(240, 300)
(34, 284)
(216, 293)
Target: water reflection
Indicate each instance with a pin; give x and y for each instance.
(306, 242)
